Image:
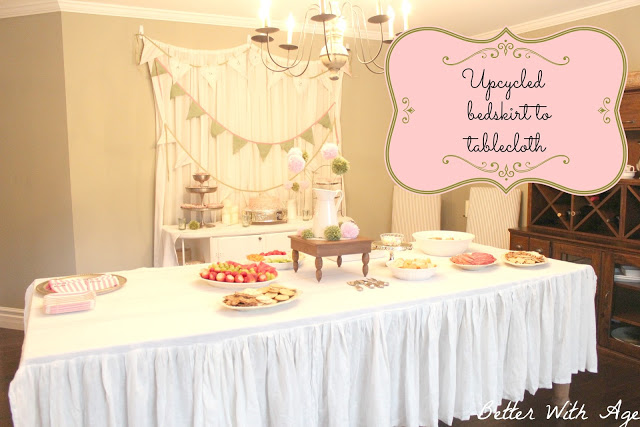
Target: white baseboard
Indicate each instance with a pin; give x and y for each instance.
(11, 318)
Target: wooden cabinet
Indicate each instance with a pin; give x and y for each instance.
(526, 243)
(620, 303)
(630, 110)
(617, 299)
(601, 230)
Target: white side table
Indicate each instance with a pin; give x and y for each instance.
(170, 234)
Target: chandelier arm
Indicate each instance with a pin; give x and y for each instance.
(265, 63)
(308, 58)
(300, 55)
(303, 36)
(284, 68)
(374, 71)
(364, 50)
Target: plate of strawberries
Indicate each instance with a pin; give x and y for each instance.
(233, 275)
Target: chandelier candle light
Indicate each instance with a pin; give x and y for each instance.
(333, 21)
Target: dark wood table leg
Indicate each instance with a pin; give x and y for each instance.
(318, 268)
(295, 255)
(365, 264)
(339, 260)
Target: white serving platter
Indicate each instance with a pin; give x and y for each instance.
(261, 307)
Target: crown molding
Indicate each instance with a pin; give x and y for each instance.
(563, 18)
(77, 6)
(29, 8)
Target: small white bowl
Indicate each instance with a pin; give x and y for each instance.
(628, 175)
(434, 242)
(411, 273)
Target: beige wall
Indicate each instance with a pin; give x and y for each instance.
(35, 212)
(111, 128)
(366, 114)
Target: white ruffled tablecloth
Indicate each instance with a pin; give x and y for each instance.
(162, 351)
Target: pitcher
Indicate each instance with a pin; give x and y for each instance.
(326, 213)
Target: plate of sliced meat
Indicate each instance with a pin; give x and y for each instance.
(474, 261)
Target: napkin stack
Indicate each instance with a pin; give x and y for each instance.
(76, 284)
(69, 302)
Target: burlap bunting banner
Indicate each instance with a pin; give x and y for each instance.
(176, 90)
(307, 135)
(325, 121)
(238, 143)
(157, 69)
(287, 145)
(195, 110)
(264, 150)
(216, 129)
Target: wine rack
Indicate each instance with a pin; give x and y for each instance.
(613, 214)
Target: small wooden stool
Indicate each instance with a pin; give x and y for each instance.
(322, 248)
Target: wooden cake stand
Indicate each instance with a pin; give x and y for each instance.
(322, 248)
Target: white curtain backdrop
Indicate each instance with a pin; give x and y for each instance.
(233, 87)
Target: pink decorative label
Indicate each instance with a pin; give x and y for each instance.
(506, 110)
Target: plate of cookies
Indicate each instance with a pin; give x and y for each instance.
(265, 297)
(524, 259)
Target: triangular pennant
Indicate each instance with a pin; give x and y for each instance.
(195, 110)
(326, 121)
(210, 74)
(178, 69)
(301, 85)
(166, 138)
(176, 90)
(238, 143)
(182, 158)
(157, 69)
(287, 145)
(264, 150)
(308, 136)
(254, 56)
(239, 64)
(216, 129)
(149, 52)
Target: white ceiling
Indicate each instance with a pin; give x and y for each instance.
(467, 17)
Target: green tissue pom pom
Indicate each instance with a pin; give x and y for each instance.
(340, 165)
(305, 156)
(194, 225)
(295, 186)
(307, 234)
(332, 232)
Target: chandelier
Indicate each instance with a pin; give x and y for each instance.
(331, 21)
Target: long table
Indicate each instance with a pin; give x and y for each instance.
(163, 351)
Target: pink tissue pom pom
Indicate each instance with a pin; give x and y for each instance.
(329, 151)
(304, 184)
(288, 185)
(295, 151)
(299, 232)
(296, 163)
(350, 230)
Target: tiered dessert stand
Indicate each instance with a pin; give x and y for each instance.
(202, 189)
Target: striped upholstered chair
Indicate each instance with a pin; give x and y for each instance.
(414, 212)
(491, 214)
